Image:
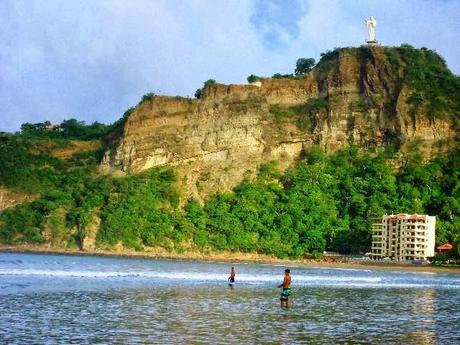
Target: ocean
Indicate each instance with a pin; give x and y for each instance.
(58, 299)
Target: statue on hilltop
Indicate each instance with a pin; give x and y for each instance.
(371, 25)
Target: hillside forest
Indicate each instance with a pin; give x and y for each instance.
(322, 202)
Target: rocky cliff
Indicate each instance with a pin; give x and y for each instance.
(356, 95)
(9, 198)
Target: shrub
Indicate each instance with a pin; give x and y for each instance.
(434, 84)
(199, 92)
(361, 105)
(330, 54)
(283, 76)
(253, 78)
(147, 97)
(314, 105)
(209, 82)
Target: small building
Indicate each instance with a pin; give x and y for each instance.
(444, 247)
(49, 126)
(403, 237)
(257, 83)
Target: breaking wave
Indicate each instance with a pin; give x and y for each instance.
(298, 280)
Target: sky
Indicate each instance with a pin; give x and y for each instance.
(93, 59)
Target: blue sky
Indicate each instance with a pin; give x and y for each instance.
(93, 59)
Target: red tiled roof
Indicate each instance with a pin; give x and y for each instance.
(445, 246)
(417, 218)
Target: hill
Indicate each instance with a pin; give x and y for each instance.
(293, 166)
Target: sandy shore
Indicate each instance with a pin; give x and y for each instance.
(160, 253)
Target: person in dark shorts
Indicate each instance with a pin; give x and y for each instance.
(286, 286)
(231, 279)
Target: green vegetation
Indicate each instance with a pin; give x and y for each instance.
(304, 65)
(70, 129)
(330, 54)
(117, 126)
(208, 82)
(432, 81)
(329, 202)
(71, 192)
(147, 97)
(22, 170)
(138, 210)
(253, 78)
(361, 105)
(435, 89)
(281, 113)
(314, 105)
(362, 52)
(31, 168)
(284, 76)
(325, 202)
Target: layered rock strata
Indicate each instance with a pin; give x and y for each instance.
(225, 136)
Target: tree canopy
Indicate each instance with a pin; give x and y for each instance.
(324, 202)
(304, 65)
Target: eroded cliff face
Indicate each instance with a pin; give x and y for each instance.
(9, 198)
(225, 136)
(213, 142)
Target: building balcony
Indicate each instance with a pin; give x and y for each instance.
(413, 241)
(406, 241)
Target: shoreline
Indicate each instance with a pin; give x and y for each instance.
(159, 253)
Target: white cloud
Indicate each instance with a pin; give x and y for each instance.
(93, 59)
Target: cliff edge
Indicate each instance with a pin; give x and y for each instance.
(373, 97)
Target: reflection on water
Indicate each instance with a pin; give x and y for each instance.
(145, 307)
(422, 303)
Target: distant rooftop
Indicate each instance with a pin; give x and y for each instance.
(445, 246)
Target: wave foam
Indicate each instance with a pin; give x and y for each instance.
(298, 280)
(182, 275)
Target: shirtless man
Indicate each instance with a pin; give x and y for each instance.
(286, 285)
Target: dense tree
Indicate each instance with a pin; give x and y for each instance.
(324, 202)
(198, 93)
(304, 65)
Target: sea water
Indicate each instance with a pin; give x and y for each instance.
(54, 299)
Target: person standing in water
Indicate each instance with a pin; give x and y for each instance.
(286, 285)
(231, 279)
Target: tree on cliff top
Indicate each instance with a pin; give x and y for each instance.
(303, 66)
(253, 78)
(208, 82)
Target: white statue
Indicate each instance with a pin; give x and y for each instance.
(371, 25)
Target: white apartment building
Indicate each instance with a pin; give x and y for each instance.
(403, 237)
